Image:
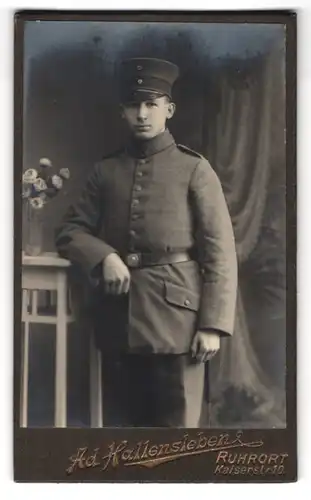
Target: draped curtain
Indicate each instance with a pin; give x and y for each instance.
(246, 146)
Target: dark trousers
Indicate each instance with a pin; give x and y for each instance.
(152, 390)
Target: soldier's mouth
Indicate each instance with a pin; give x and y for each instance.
(143, 128)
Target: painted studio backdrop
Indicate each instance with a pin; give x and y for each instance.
(231, 108)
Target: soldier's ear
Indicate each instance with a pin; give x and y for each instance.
(171, 110)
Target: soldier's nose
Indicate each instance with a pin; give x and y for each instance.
(142, 112)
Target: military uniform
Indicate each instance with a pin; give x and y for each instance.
(149, 202)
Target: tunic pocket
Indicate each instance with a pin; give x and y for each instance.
(182, 297)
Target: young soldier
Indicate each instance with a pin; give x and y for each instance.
(152, 226)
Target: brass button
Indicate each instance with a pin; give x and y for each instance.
(187, 302)
(137, 188)
(135, 202)
(133, 233)
(132, 260)
(139, 174)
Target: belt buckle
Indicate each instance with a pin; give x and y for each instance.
(133, 260)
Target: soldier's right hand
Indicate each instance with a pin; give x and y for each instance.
(116, 275)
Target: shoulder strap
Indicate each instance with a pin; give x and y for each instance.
(189, 151)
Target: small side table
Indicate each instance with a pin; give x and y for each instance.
(48, 272)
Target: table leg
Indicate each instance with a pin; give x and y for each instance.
(34, 303)
(24, 362)
(61, 352)
(95, 385)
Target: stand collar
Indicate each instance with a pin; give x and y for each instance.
(143, 149)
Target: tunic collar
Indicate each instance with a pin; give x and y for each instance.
(143, 149)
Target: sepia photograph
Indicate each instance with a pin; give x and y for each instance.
(152, 195)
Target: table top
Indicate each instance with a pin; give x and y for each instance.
(46, 259)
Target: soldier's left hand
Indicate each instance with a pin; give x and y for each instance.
(205, 345)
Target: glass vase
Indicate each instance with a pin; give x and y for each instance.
(33, 237)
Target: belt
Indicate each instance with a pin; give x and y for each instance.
(134, 260)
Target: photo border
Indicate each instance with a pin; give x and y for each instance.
(46, 454)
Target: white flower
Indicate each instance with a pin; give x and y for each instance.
(43, 196)
(26, 190)
(39, 184)
(45, 162)
(57, 181)
(30, 175)
(36, 203)
(64, 173)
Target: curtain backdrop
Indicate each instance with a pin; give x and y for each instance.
(246, 146)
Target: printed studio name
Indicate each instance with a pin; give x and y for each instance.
(149, 454)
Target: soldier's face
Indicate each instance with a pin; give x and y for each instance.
(147, 119)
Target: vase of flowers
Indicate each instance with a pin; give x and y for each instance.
(39, 186)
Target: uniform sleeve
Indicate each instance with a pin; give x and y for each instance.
(216, 251)
(77, 237)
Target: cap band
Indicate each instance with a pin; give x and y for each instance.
(153, 76)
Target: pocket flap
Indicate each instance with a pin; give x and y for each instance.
(182, 297)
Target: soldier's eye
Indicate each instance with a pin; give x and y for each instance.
(151, 104)
(132, 105)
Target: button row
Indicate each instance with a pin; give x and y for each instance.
(135, 201)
